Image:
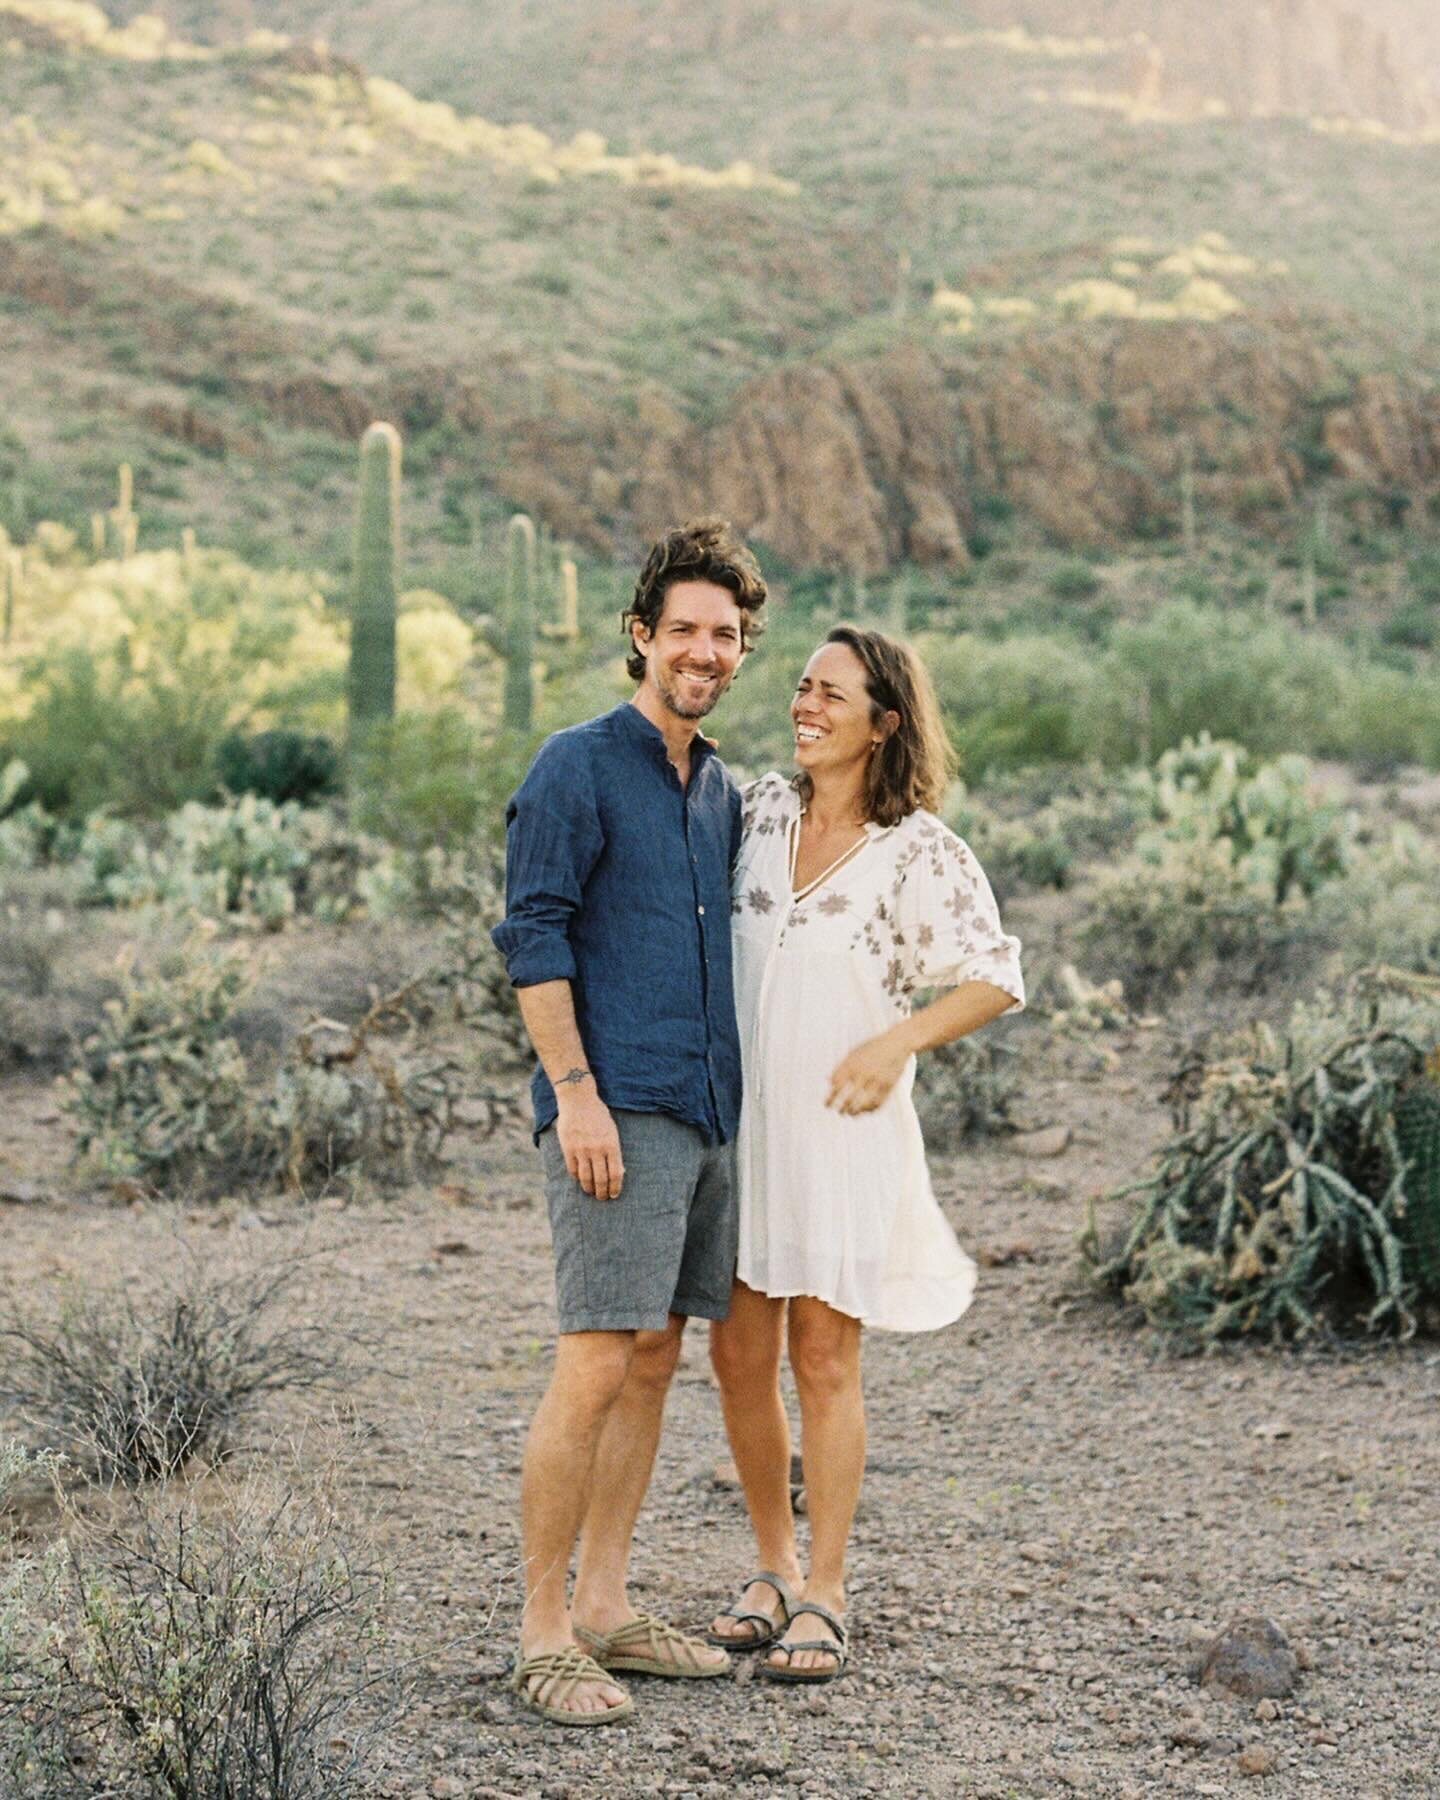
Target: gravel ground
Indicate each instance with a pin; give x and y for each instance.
(1057, 1516)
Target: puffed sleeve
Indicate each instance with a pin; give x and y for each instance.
(949, 924)
(553, 838)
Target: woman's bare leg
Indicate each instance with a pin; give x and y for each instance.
(825, 1356)
(745, 1351)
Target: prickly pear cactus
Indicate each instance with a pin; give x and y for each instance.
(1417, 1132)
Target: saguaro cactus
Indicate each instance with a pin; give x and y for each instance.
(122, 514)
(12, 577)
(520, 624)
(372, 603)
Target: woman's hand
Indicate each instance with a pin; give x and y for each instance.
(867, 1076)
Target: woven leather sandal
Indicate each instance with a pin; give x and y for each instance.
(639, 1648)
(568, 1669)
(837, 1647)
(769, 1627)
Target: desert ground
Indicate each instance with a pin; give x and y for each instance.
(1058, 1514)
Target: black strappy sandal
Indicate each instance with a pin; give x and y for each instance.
(838, 1647)
(770, 1627)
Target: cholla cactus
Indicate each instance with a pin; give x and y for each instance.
(372, 608)
(520, 625)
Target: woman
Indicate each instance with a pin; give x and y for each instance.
(849, 895)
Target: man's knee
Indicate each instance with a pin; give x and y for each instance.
(656, 1354)
(591, 1368)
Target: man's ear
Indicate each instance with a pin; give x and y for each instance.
(639, 637)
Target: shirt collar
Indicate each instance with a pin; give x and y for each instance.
(633, 720)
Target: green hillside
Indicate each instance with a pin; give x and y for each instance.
(572, 288)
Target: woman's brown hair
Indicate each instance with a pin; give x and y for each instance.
(912, 765)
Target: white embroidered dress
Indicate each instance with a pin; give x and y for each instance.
(835, 1207)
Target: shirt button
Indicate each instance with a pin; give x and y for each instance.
(701, 911)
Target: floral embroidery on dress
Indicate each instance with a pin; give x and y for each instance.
(760, 900)
(833, 904)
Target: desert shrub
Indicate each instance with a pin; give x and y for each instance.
(436, 779)
(162, 1091)
(1155, 929)
(278, 766)
(1384, 910)
(133, 1391)
(466, 891)
(211, 1652)
(1416, 626)
(99, 734)
(1014, 702)
(33, 1742)
(1024, 845)
(966, 1089)
(1188, 669)
(1073, 579)
(1385, 717)
(1280, 1205)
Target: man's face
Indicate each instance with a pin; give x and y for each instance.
(695, 649)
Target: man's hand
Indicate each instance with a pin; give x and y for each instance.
(586, 1132)
(867, 1076)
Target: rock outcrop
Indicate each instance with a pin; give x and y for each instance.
(1085, 430)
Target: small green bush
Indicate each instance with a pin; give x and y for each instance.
(202, 1652)
(965, 1090)
(133, 1392)
(436, 779)
(278, 766)
(1188, 669)
(1074, 580)
(1018, 701)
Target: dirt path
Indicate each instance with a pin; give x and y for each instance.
(1055, 1518)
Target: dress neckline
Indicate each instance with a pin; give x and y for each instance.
(869, 831)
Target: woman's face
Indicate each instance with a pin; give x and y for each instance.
(831, 712)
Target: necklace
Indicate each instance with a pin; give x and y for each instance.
(824, 875)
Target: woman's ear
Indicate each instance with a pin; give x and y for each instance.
(889, 725)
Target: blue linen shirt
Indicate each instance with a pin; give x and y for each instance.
(617, 880)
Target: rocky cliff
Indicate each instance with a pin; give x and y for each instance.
(1084, 431)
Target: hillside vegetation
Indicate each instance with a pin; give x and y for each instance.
(867, 278)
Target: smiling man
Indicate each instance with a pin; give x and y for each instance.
(620, 843)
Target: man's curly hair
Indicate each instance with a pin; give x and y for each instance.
(703, 550)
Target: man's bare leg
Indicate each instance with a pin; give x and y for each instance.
(590, 1375)
(619, 1480)
(745, 1351)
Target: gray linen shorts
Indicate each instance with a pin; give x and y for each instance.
(666, 1245)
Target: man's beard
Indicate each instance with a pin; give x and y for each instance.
(668, 688)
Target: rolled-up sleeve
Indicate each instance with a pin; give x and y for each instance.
(553, 839)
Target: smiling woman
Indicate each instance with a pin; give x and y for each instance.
(849, 895)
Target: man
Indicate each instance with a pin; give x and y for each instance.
(620, 843)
